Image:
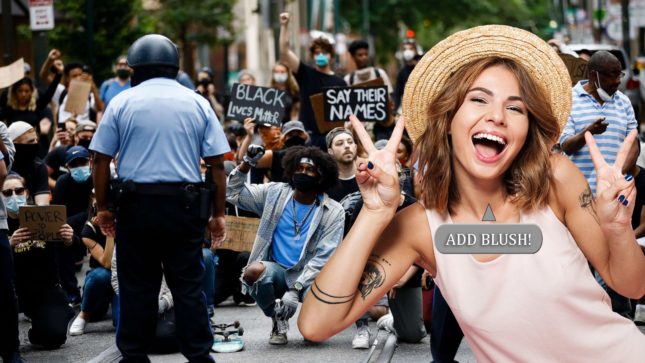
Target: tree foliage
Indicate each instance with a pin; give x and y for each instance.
(191, 22)
(115, 24)
(435, 20)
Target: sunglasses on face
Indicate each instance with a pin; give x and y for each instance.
(17, 191)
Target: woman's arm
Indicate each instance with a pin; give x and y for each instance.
(602, 227)
(44, 101)
(375, 253)
(366, 265)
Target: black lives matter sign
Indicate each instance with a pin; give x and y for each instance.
(366, 103)
(265, 105)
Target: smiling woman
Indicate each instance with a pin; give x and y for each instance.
(485, 107)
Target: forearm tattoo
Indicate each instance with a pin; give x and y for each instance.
(587, 203)
(373, 275)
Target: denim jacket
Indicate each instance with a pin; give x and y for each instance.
(268, 201)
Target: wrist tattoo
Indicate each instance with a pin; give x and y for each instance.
(373, 275)
(587, 203)
(328, 298)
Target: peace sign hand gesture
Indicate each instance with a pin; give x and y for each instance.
(378, 180)
(615, 192)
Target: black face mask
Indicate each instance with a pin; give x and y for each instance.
(84, 143)
(294, 141)
(304, 182)
(123, 73)
(25, 154)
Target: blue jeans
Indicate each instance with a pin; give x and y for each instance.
(97, 292)
(210, 261)
(269, 287)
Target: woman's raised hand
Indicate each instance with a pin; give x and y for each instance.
(615, 192)
(378, 180)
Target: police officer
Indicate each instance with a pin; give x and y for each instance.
(160, 130)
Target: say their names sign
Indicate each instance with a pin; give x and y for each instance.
(43, 221)
(367, 103)
(265, 105)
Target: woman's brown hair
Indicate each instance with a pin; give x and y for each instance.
(528, 178)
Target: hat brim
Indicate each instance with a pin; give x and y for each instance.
(533, 54)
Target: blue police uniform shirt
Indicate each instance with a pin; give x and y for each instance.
(159, 129)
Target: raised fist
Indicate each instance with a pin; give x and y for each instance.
(54, 54)
(253, 154)
(284, 18)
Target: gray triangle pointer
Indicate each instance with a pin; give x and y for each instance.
(488, 215)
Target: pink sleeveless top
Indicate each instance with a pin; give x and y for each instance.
(544, 307)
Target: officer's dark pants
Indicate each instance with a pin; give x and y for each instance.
(151, 231)
(445, 333)
(8, 306)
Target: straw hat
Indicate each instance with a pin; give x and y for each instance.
(532, 53)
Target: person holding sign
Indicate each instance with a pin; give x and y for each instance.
(40, 295)
(484, 107)
(311, 80)
(299, 229)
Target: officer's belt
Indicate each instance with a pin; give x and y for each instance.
(166, 189)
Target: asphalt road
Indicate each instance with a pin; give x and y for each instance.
(97, 345)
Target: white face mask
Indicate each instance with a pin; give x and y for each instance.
(601, 92)
(409, 54)
(280, 77)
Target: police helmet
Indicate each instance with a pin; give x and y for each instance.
(153, 50)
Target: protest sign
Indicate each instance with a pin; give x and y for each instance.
(366, 103)
(43, 221)
(78, 96)
(577, 67)
(240, 233)
(265, 105)
(12, 73)
(318, 106)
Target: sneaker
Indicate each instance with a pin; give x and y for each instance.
(639, 316)
(279, 331)
(77, 327)
(386, 322)
(362, 338)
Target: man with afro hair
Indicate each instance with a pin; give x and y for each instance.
(300, 228)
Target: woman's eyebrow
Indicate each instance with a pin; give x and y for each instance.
(490, 93)
(485, 90)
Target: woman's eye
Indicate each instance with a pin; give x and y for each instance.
(478, 100)
(516, 109)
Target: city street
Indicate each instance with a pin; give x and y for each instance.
(97, 344)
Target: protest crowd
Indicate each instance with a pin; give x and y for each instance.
(282, 158)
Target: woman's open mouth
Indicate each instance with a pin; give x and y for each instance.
(488, 147)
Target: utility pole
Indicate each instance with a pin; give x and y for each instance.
(9, 51)
(624, 4)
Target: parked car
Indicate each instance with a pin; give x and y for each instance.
(630, 84)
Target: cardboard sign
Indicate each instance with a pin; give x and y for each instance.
(577, 67)
(240, 233)
(78, 97)
(367, 103)
(265, 105)
(12, 73)
(43, 221)
(41, 14)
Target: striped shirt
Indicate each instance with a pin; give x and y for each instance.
(618, 112)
